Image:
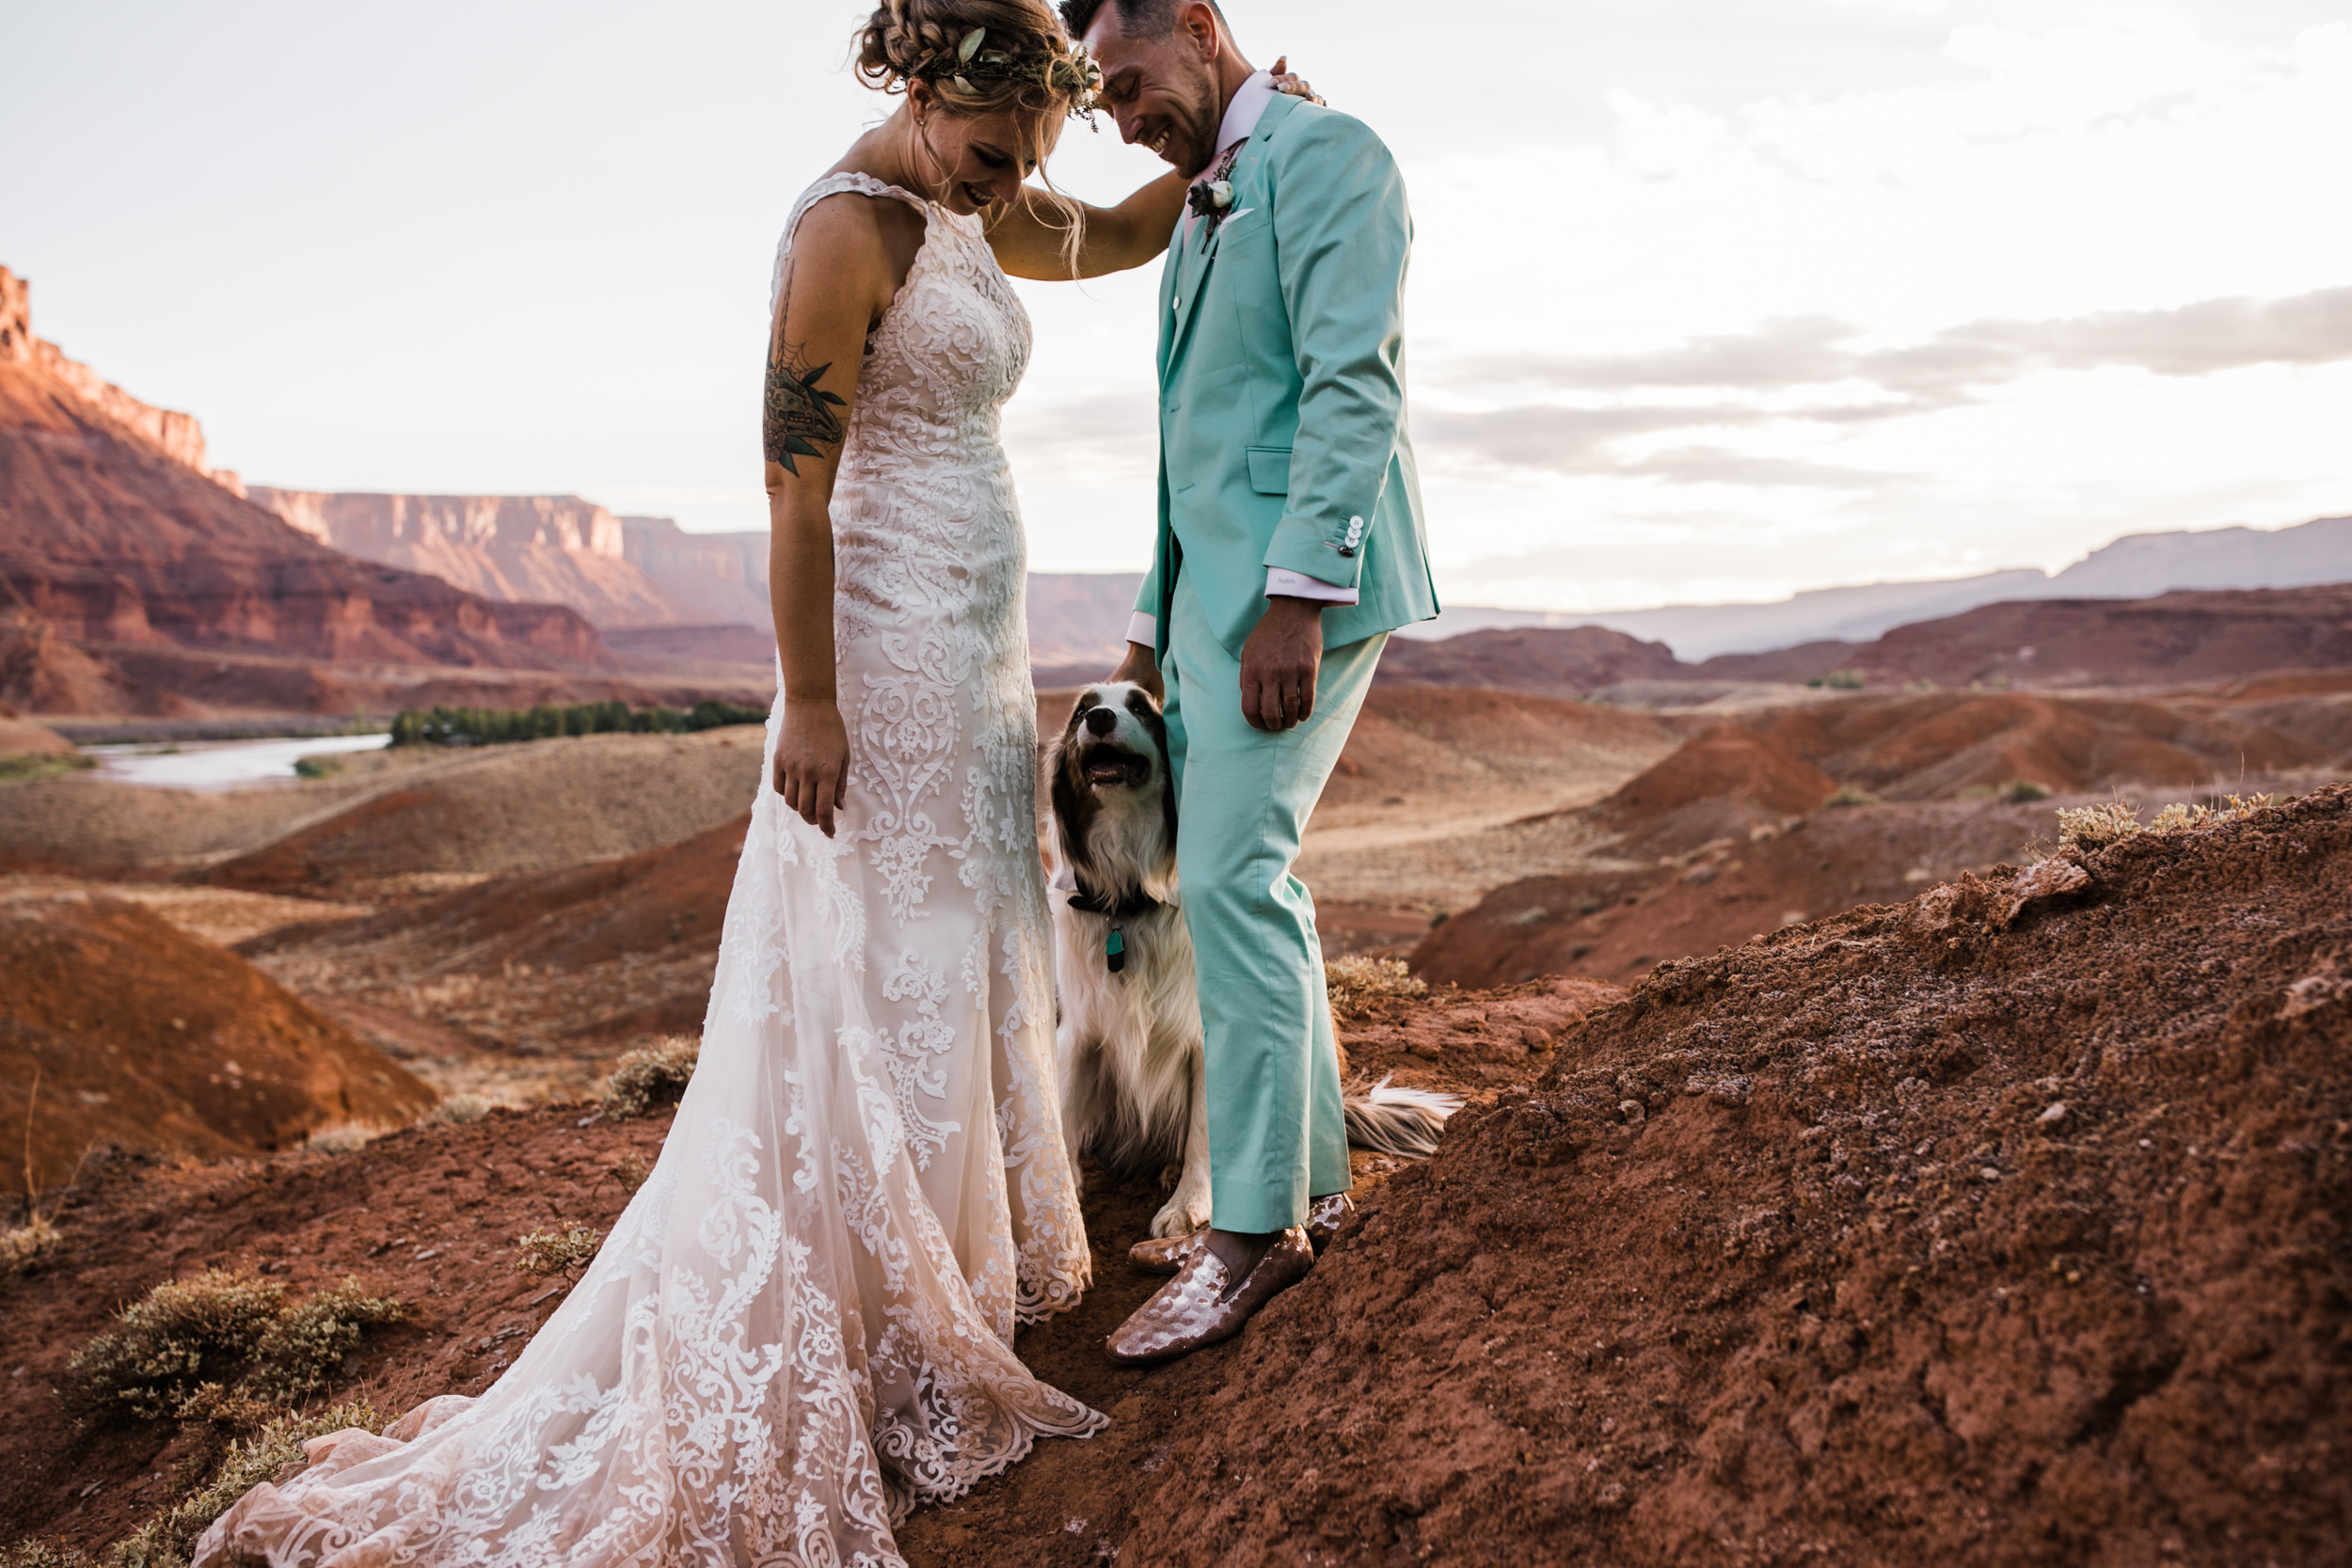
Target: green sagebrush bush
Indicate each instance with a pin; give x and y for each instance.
(222, 1331)
(493, 726)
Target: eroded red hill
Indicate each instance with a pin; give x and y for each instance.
(145, 1037)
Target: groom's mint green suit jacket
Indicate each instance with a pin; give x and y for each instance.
(1281, 359)
(1282, 444)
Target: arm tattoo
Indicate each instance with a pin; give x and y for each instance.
(799, 420)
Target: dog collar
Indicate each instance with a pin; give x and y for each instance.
(1114, 945)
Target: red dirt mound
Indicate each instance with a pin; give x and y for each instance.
(1725, 781)
(613, 950)
(145, 1037)
(1908, 1237)
(2172, 637)
(1620, 924)
(1930, 747)
(550, 804)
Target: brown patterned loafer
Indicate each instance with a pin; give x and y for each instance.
(1166, 1254)
(1197, 1308)
(1326, 1217)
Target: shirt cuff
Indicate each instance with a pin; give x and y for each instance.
(1299, 585)
(1144, 628)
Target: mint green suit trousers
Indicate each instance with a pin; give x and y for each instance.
(1243, 797)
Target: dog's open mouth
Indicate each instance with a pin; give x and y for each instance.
(1109, 766)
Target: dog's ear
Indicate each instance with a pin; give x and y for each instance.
(1155, 724)
(1074, 802)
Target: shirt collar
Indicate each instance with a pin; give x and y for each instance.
(1243, 114)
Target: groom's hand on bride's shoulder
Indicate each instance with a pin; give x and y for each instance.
(813, 761)
(1279, 662)
(1284, 82)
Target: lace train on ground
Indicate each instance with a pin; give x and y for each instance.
(802, 1324)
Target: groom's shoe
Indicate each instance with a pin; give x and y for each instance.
(1167, 1254)
(1327, 1218)
(1201, 1305)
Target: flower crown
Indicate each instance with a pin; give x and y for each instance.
(1074, 74)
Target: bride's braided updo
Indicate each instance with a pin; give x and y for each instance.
(980, 56)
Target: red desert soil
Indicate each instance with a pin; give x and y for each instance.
(430, 1215)
(1922, 1235)
(609, 952)
(1721, 841)
(143, 1034)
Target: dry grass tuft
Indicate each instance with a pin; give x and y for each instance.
(343, 1138)
(645, 1080)
(1848, 794)
(1354, 984)
(188, 1347)
(166, 1540)
(26, 1248)
(2093, 827)
(631, 1171)
(565, 1250)
(458, 1109)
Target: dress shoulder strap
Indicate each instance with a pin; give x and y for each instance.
(832, 184)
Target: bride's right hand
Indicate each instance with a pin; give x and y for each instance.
(812, 762)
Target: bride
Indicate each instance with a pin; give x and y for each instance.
(802, 1324)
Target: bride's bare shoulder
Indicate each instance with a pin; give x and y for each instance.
(854, 230)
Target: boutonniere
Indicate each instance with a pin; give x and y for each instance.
(1211, 195)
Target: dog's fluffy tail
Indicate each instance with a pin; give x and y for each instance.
(1395, 1120)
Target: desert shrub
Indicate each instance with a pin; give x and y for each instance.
(2091, 828)
(300, 1350)
(164, 1346)
(489, 726)
(2019, 792)
(45, 1554)
(645, 1080)
(165, 1541)
(317, 768)
(223, 1332)
(2177, 816)
(1842, 680)
(565, 1249)
(631, 1171)
(25, 1247)
(458, 1109)
(1356, 984)
(1848, 794)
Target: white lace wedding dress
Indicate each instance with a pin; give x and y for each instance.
(803, 1322)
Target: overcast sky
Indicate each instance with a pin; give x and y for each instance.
(1711, 299)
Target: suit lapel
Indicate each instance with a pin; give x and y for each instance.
(1189, 276)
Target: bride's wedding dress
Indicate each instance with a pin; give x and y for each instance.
(802, 1324)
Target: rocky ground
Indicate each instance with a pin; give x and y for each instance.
(2005, 1225)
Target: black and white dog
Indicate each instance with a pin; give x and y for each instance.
(1129, 1043)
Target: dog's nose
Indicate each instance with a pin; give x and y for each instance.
(1101, 721)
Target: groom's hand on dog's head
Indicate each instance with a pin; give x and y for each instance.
(1279, 662)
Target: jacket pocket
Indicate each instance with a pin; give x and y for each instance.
(1269, 470)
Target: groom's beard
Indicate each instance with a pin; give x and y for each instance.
(1192, 140)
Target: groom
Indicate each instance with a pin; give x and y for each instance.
(1290, 545)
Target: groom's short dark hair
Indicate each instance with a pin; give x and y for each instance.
(1146, 18)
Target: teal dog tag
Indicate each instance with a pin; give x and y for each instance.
(1115, 951)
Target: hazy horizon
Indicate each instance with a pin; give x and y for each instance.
(1718, 303)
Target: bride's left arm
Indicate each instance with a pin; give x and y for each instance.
(1030, 237)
